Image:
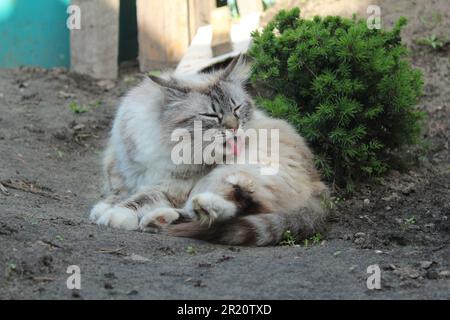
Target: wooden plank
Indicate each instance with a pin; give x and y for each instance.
(246, 7)
(199, 15)
(199, 54)
(221, 28)
(95, 48)
(163, 29)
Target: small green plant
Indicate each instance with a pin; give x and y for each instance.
(59, 238)
(288, 239)
(337, 253)
(314, 239)
(11, 268)
(96, 104)
(338, 200)
(156, 73)
(317, 238)
(347, 89)
(191, 250)
(407, 222)
(77, 109)
(410, 221)
(327, 203)
(433, 41)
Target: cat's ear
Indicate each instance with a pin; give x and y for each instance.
(238, 70)
(171, 84)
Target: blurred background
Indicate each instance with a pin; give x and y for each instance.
(35, 33)
(152, 34)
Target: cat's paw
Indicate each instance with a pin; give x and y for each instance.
(158, 219)
(98, 210)
(119, 217)
(210, 207)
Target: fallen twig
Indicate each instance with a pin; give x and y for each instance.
(25, 186)
(4, 190)
(112, 251)
(43, 279)
(51, 244)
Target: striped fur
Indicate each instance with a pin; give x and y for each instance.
(254, 230)
(264, 206)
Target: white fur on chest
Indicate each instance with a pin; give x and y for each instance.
(150, 162)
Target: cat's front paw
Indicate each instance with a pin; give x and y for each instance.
(210, 207)
(158, 219)
(119, 217)
(98, 210)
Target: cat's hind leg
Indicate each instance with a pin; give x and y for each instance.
(226, 197)
(230, 196)
(206, 208)
(160, 218)
(209, 207)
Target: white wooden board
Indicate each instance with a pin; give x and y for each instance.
(199, 55)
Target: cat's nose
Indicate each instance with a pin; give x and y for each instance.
(230, 122)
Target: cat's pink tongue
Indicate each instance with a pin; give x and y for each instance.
(234, 146)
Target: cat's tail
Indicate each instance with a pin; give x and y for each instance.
(254, 230)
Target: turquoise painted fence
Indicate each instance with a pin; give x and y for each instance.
(34, 33)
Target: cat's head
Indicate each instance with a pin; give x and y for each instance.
(217, 100)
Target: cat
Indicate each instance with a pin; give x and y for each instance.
(224, 203)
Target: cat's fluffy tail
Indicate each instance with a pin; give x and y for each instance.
(254, 230)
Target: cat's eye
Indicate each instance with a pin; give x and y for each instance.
(214, 116)
(210, 115)
(237, 109)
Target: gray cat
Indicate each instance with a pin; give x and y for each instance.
(211, 200)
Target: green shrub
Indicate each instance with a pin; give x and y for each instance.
(347, 89)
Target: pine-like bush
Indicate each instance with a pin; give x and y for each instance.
(346, 88)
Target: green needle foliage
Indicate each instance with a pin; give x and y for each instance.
(347, 89)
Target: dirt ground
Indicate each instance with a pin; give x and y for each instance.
(50, 173)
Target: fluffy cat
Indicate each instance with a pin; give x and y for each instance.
(223, 203)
